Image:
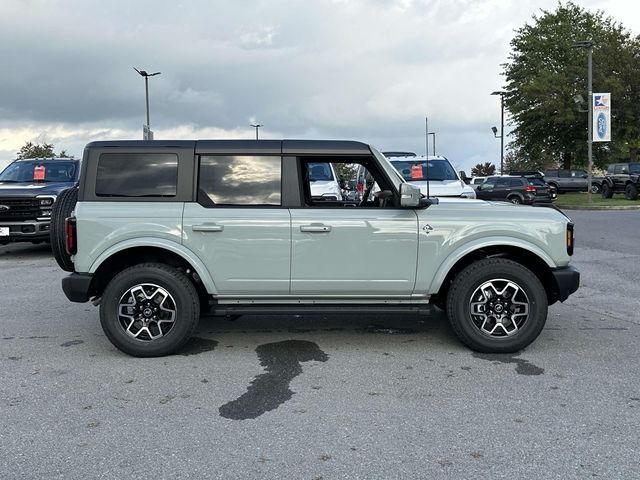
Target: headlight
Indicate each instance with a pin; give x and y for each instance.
(46, 200)
(471, 194)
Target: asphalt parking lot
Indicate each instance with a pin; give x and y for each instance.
(326, 397)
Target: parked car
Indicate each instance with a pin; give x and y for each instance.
(443, 180)
(324, 181)
(527, 190)
(28, 190)
(160, 231)
(571, 180)
(622, 178)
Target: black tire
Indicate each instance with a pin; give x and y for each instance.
(62, 209)
(607, 191)
(469, 280)
(183, 298)
(515, 199)
(631, 192)
(595, 188)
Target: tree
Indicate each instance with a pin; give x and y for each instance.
(37, 150)
(544, 74)
(485, 169)
(345, 170)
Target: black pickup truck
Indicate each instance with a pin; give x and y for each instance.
(28, 190)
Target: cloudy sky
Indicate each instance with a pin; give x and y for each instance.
(368, 70)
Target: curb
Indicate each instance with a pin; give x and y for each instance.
(595, 207)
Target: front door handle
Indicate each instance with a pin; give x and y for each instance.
(207, 227)
(315, 228)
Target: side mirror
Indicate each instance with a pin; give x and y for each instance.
(409, 195)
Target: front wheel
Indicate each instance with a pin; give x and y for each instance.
(595, 188)
(631, 192)
(607, 191)
(496, 305)
(149, 310)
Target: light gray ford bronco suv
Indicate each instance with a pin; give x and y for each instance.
(160, 232)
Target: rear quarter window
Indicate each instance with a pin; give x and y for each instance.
(137, 175)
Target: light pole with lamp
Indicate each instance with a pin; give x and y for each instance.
(588, 44)
(495, 130)
(257, 126)
(147, 134)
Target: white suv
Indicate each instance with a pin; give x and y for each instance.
(444, 181)
(323, 181)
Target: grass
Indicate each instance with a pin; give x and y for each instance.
(579, 199)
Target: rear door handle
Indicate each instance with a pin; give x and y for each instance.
(207, 227)
(315, 228)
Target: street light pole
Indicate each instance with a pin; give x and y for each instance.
(501, 137)
(588, 44)
(426, 150)
(257, 126)
(147, 134)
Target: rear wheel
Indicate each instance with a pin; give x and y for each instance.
(62, 208)
(497, 306)
(149, 310)
(607, 191)
(515, 199)
(595, 188)
(631, 192)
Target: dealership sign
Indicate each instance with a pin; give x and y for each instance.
(601, 117)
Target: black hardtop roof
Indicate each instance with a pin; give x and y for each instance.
(299, 147)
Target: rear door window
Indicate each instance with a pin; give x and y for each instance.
(240, 180)
(137, 175)
(515, 182)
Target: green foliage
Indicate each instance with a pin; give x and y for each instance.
(37, 150)
(347, 171)
(485, 169)
(545, 72)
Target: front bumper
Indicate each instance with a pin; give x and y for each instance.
(567, 281)
(76, 287)
(25, 231)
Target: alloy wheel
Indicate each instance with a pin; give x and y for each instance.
(499, 307)
(147, 312)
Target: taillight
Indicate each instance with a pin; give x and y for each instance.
(70, 235)
(570, 239)
(529, 188)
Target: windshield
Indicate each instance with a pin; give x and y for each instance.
(415, 170)
(40, 171)
(320, 171)
(634, 168)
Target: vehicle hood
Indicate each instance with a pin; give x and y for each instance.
(321, 187)
(493, 209)
(24, 189)
(442, 188)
